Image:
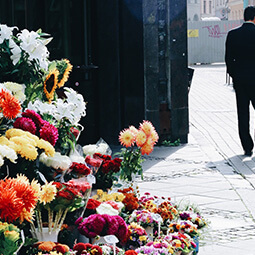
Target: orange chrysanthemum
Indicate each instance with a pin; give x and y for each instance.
(134, 130)
(126, 138)
(9, 105)
(147, 127)
(154, 136)
(46, 246)
(147, 148)
(63, 74)
(50, 84)
(140, 138)
(10, 205)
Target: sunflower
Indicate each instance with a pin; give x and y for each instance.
(50, 84)
(64, 67)
(127, 138)
(9, 105)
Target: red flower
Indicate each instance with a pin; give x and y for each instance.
(61, 248)
(80, 168)
(49, 133)
(77, 185)
(92, 204)
(25, 124)
(96, 250)
(74, 131)
(58, 185)
(131, 252)
(100, 156)
(92, 161)
(35, 117)
(80, 247)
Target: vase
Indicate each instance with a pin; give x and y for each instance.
(196, 241)
(45, 235)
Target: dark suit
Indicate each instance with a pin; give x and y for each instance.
(240, 61)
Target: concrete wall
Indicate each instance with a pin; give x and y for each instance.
(206, 40)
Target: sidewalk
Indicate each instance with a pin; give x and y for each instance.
(210, 170)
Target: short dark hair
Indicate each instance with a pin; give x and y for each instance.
(249, 13)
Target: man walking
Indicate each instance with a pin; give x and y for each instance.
(240, 62)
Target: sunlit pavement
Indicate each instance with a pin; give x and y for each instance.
(210, 171)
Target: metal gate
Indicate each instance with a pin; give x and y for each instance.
(206, 40)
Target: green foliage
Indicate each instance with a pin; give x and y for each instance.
(169, 143)
(131, 163)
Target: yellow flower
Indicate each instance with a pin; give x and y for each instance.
(3, 225)
(127, 138)
(11, 235)
(141, 138)
(36, 186)
(142, 238)
(28, 152)
(64, 67)
(147, 127)
(48, 148)
(4, 140)
(25, 215)
(22, 178)
(48, 193)
(50, 84)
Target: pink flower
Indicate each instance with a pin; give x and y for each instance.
(25, 124)
(113, 204)
(35, 117)
(49, 133)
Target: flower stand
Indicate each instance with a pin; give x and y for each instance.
(45, 235)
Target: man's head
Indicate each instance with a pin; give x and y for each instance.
(249, 13)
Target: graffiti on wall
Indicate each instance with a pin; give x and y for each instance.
(214, 31)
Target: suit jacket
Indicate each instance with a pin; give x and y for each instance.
(240, 53)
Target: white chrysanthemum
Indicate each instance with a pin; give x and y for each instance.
(57, 162)
(89, 149)
(7, 152)
(104, 208)
(17, 90)
(5, 32)
(1, 161)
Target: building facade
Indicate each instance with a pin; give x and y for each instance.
(193, 10)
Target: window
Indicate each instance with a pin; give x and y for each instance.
(210, 6)
(204, 6)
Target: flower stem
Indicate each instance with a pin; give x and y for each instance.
(63, 218)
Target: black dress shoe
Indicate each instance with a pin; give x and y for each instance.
(248, 153)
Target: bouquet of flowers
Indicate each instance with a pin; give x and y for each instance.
(87, 249)
(180, 242)
(130, 201)
(101, 225)
(137, 236)
(137, 142)
(156, 248)
(108, 167)
(143, 218)
(49, 247)
(194, 217)
(184, 227)
(10, 239)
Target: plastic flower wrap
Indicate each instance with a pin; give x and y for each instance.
(101, 225)
(10, 238)
(136, 142)
(106, 173)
